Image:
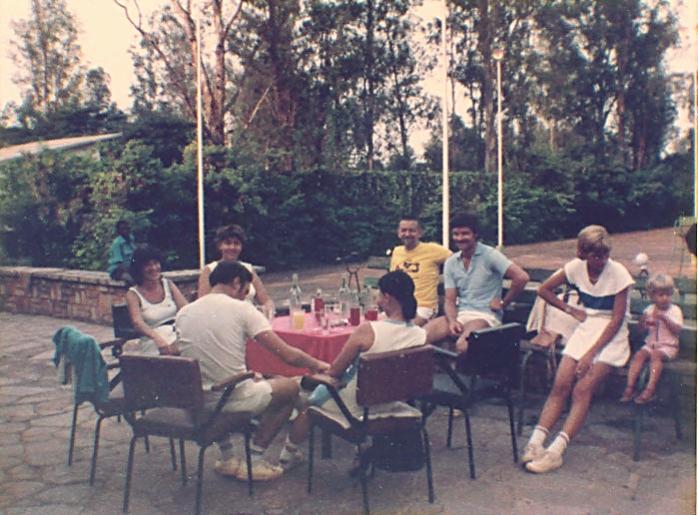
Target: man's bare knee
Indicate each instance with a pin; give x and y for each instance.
(283, 390)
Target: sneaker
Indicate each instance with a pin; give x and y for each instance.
(228, 467)
(547, 462)
(531, 452)
(289, 460)
(262, 470)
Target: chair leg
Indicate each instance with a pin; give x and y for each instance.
(514, 448)
(326, 445)
(676, 403)
(522, 391)
(173, 454)
(469, 438)
(129, 471)
(248, 462)
(449, 436)
(71, 443)
(639, 414)
(427, 455)
(182, 461)
(95, 450)
(147, 445)
(200, 480)
(363, 475)
(311, 455)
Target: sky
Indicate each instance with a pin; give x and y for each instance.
(105, 37)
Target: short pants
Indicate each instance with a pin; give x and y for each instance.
(250, 396)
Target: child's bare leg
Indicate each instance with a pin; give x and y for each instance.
(636, 365)
(562, 386)
(581, 397)
(656, 365)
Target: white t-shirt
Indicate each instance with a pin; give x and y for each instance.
(214, 329)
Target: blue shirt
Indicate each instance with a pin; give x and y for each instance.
(121, 251)
(481, 282)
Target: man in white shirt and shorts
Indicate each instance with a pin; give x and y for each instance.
(214, 329)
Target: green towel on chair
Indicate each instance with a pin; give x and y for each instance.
(82, 351)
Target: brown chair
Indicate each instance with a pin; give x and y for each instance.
(169, 388)
(382, 377)
(488, 369)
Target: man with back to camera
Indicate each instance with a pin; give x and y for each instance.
(473, 281)
(422, 262)
(214, 329)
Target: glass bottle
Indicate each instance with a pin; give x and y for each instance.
(294, 300)
(344, 297)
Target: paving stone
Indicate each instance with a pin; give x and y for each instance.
(12, 491)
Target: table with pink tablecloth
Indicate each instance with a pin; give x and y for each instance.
(324, 344)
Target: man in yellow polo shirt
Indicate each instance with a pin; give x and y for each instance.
(422, 263)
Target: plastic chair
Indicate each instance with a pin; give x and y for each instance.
(382, 377)
(488, 369)
(169, 388)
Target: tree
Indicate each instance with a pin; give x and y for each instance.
(48, 57)
(171, 40)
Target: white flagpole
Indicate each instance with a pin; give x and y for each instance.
(200, 150)
(445, 207)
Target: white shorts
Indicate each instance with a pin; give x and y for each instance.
(250, 396)
(468, 315)
(426, 313)
(615, 353)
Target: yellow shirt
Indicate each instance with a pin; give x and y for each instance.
(422, 265)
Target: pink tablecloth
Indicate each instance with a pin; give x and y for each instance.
(324, 345)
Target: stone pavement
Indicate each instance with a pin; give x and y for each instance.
(599, 476)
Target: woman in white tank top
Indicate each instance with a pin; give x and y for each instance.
(395, 332)
(153, 303)
(229, 242)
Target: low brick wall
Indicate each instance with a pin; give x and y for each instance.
(75, 294)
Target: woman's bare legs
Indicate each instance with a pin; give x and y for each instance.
(562, 386)
(582, 394)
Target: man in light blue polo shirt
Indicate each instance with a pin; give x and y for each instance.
(473, 282)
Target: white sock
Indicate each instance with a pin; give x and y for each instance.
(560, 443)
(226, 448)
(288, 450)
(538, 436)
(256, 452)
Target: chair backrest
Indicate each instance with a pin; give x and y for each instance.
(123, 327)
(161, 381)
(395, 375)
(493, 351)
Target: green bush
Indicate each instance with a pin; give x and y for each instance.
(60, 209)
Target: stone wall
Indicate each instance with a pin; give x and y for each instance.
(75, 294)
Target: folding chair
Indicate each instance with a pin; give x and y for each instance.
(489, 368)
(382, 377)
(169, 388)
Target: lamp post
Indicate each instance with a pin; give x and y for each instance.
(498, 54)
(445, 195)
